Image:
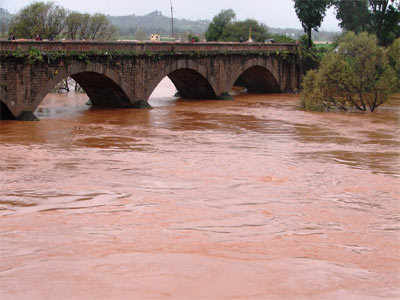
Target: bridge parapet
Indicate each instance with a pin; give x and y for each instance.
(93, 46)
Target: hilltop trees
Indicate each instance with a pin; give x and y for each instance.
(311, 14)
(50, 21)
(156, 22)
(357, 76)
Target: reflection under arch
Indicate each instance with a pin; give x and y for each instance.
(258, 79)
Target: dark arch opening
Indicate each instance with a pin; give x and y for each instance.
(258, 79)
(5, 113)
(101, 90)
(191, 84)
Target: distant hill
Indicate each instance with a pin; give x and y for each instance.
(156, 22)
(5, 18)
(4, 15)
(297, 33)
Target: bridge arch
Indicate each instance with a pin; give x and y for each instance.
(191, 82)
(104, 87)
(256, 78)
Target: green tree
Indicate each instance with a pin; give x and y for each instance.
(193, 38)
(394, 58)
(352, 15)
(99, 27)
(357, 76)
(311, 14)
(380, 17)
(281, 38)
(85, 27)
(44, 19)
(73, 26)
(218, 24)
(310, 57)
(239, 31)
(386, 22)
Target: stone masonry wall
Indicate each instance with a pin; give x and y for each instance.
(128, 79)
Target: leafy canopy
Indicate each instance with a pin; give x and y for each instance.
(218, 24)
(311, 14)
(357, 76)
(224, 28)
(50, 21)
(239, 31)
(352, 15)
(380, 17)
(44, 19)
(394, 58)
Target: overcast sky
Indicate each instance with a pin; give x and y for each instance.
(274, 13)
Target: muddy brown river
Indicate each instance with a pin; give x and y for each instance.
(245, 199)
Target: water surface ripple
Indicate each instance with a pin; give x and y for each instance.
(245, 199)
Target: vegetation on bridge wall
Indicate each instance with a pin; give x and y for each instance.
(36, 56)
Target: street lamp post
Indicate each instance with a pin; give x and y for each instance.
(172, 19)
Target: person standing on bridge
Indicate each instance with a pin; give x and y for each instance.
(11, 37)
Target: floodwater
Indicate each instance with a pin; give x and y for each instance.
(244, 199)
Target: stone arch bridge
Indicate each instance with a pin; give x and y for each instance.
(124, 74)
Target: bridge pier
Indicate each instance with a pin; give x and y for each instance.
(5, 113)
(27, 116)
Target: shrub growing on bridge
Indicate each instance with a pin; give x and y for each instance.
(356, 76)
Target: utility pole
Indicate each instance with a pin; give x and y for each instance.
(172, 19)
